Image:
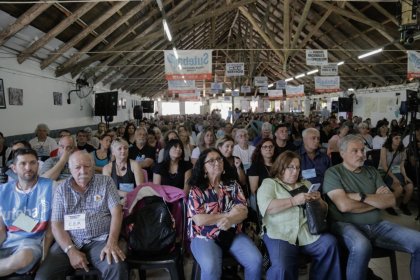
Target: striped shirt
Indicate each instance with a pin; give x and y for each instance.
(96, 203)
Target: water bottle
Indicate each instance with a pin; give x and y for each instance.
(3, 175)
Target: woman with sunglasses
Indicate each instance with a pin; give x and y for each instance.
(126, 173)
(286, 235)
(216, 209)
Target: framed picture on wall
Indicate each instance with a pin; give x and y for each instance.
(58, 98)
(16, 96)
(2, 95)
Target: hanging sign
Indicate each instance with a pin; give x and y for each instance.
(216, 86)
(327, 84)
(188, 65)
(234, 69)
(316, 57)
(275, 94)
(189, 96)
(245, 89)
(330, 69)
(294, 91)
(260, 81)
(413, 64)
(235, 93)
(281, 84)
(177, 86)
(263, 89)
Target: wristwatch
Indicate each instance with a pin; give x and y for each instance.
(362, 196)
(67, 249)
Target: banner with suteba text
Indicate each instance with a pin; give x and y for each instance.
(188, 64)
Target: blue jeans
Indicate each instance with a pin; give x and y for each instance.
(359, 239)
(209, 256)
(284, 258)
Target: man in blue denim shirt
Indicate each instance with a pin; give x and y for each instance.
(314, 163)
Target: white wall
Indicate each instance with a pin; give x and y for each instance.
(38, 107)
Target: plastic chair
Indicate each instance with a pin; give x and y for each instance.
(386, 253)
(173, 262)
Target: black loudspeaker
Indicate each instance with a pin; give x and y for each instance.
(138, 112)
(106, 103)
(148, 106)
(334, 107)
(345, 104)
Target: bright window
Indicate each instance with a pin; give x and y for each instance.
(192, 107)
(171, 108)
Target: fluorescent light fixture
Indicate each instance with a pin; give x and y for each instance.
(340, 63)
(370, 53)
(228, 90)
(166, 28)
(159, 3)
(185, 81)
(350, 89)
(175, 53)
(312, 72)
(300, 76)
(183, 77)
(179, 66)
(271, 85)
(288, 79)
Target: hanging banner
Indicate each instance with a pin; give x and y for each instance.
(190, 65)
(413, 64)
(235, 69)
(327, 84)
(260, 81)
(216, 86)
(316, 57)
(177, 86)
(330, 69)
(189, 96)
(263, 89)
(245, 89)
(294, 91)
(235, 93)
(281, 84)
(275, 94)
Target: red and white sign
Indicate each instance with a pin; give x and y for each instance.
(188, 64)
(184, 86)
(413, 64)
(294, 91)
(327, 84)
(275, 94)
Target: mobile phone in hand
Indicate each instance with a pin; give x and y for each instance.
(314, 188)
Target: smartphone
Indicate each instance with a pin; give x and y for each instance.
(314, 188)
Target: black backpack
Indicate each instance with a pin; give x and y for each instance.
(151, 228)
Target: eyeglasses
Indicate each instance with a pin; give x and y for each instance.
(269, 147)
(213, 161)
(291, 168)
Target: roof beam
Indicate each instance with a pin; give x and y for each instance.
(65, 47)
(25, 19)
(55, 31)
(71, 61)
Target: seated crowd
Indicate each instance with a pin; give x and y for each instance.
(61, 207)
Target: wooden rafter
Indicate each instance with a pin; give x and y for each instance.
(25, 19)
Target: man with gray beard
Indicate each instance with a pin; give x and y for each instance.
(142, 152)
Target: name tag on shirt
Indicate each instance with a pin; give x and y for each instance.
(74, 221)
(396, 169)
(126, 187)
(24, 222)
(308, 173)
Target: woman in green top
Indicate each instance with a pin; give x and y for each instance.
(285, 225)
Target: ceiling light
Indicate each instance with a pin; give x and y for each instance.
(271, 85)
(166, 28)
(159, 3)
(340, 63)
(175, 53)
(228, 90)
(312, 72)
(351, 89)
(300, 76)
(370, 53)
(179, 66)
(288, 79)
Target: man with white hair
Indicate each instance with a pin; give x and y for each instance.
(86, 221)
(314, 162)
(266, 132)
(242, 149)
(142, 152)
(42, 143)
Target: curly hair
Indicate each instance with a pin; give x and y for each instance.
(257, 157)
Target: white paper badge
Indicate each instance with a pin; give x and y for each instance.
(74, 221)
(308, 173)
(24, 222)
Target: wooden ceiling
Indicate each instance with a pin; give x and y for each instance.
(121, 42)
